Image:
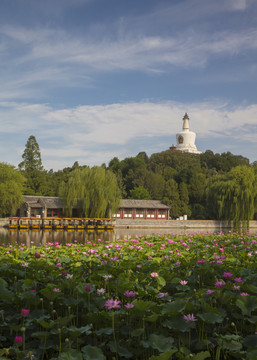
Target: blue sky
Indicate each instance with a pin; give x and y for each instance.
(95, 79)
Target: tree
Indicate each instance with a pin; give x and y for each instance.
(171, 198)
(31, 156)
(222, 162)
(93, 191)
(33, 170)
(155, 185)
(196, 189)
(11, 189)
(232, 196)
(140, 193)
(184, 199)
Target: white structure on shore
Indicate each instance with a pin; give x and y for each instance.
(186, 139)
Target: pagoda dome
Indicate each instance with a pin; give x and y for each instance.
(186, 139)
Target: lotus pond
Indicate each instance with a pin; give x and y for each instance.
(149, 297)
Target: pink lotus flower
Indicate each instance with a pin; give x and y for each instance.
(25, 265)
(227, 275)
(190, 318)
(236, 287)
(56, 290)
(183, 282)
(100, 291)
(25, 312)
(112, 304)
(107, 277)
(18, 339)
(129, 293)
(154, 274)
(208, 292)
(200, 262)
(129, 306)
(162, 295)
(219, 283)
(69, 276)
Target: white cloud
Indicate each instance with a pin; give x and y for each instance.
(239, 4)
(95, 134)
(58, 51)
(38, 59)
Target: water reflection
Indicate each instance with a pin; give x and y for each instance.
(40, 237)
(35, 238)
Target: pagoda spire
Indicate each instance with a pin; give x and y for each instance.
(186, 122)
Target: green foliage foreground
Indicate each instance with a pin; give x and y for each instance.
(158, 297)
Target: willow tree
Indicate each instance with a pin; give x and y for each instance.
(11, 189)
(232, 196)
(94, 192)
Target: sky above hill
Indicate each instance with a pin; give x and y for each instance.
(95, 79)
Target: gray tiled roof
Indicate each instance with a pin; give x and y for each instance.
(49, 202)
(140, 204)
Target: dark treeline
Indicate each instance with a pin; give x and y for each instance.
(205, 186)
(183, 181)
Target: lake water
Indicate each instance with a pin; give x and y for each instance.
(35, 238)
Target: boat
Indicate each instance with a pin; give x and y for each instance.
(99, 224)
(108, 224)
(13, 223)
(35, 223)
(24, 223)
(79, 224)
(89, 223)
(68, 224)
(47, 223)
(58, 224)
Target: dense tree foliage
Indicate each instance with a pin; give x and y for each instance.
(203, 186)
(94, 192)
(33, 170)
(11, 189)
(180, 180)
(140, 193)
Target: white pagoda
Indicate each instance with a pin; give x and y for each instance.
(186, 139)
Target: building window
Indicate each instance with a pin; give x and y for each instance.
(150, 214)
(161, 214)
(54, 212)
(127, 213)
(35, 211)
(117, 214)
(139, 213)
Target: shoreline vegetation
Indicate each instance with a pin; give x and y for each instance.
(201, 186)
(163, 296)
